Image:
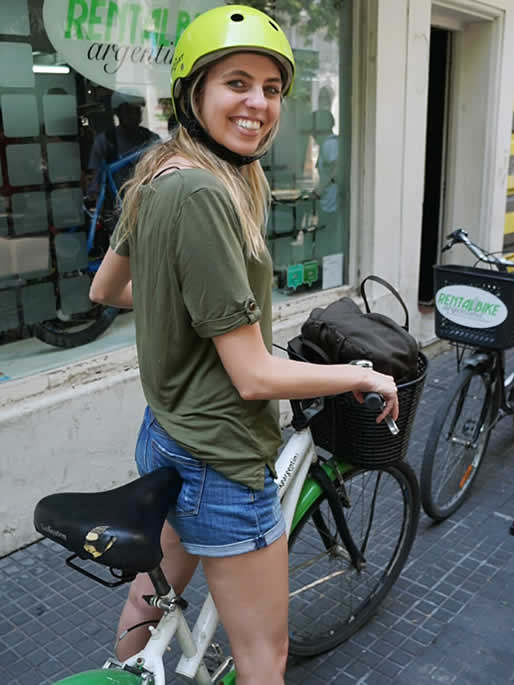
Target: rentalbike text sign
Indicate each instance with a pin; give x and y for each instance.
(470, 307)
(122, 45)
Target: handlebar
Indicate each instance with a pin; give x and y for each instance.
(375, 402)
(461, 236)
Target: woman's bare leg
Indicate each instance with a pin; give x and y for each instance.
(251, 594)
(178, 567)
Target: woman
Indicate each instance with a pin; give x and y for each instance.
(189, 255)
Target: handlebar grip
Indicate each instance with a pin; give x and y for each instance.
(375, 402)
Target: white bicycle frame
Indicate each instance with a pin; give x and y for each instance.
(292, 467)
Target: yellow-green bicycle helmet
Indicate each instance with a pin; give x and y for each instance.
(215, 34)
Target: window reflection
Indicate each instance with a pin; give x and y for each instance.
(306, 231)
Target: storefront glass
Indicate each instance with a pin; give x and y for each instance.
(84, 85)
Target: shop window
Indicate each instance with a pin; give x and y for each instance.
(308, 166)
(29, 213)
(24, 164)
(14, 18)
(16, 65)
(20, 116)
(60, 115)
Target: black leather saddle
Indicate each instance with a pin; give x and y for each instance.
(119, 528)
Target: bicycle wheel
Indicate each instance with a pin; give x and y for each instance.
(456, 444)
(79, 330)
(329, 598)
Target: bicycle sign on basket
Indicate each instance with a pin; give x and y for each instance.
(474, 306)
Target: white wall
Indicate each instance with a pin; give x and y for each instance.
(389, 146)
(79, 436)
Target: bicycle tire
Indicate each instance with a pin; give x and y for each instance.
(329, 599)
(65, 335)
(452, 456)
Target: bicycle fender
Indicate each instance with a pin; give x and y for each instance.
(312, 490)
(101, 676)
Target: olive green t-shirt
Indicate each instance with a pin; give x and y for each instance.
(191, 281)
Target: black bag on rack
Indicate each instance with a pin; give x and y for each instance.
(341, 333)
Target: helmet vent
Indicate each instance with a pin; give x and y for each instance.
(237, 17)
(273, 26)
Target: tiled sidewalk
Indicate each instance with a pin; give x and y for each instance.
(449, 618)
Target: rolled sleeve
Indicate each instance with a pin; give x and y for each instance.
(211, 265)
(248, 313)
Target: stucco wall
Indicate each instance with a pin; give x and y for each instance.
(78, 435)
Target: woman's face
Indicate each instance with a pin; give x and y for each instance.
(240, 101)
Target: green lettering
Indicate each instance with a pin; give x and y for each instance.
(467, 305)
(478, 306)
(77, 21)
(495, 308)
(135, 11)
(163, 29)
(95, 19)
(442, 298)
(122, 23)
(183, 21)
(112, 14)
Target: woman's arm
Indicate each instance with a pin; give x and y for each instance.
(112, 284)
(256, 374)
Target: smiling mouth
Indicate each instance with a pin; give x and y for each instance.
(248, 125)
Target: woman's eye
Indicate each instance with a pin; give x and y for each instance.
(236, 84)
(273, 91)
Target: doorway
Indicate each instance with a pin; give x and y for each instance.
(437, 107)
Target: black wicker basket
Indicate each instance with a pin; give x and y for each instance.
(480, 284)
(349, 430)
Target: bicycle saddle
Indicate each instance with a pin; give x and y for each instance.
(120, 528)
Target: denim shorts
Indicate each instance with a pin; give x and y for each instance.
(213, 515)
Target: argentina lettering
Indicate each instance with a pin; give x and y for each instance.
(118, 43)
(470, 307)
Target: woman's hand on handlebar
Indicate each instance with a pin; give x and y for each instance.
(384, 385)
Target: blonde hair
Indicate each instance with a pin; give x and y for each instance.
(247, 186)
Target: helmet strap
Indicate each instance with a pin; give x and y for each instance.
(198, 132)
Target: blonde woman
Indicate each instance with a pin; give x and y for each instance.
(189, 256)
